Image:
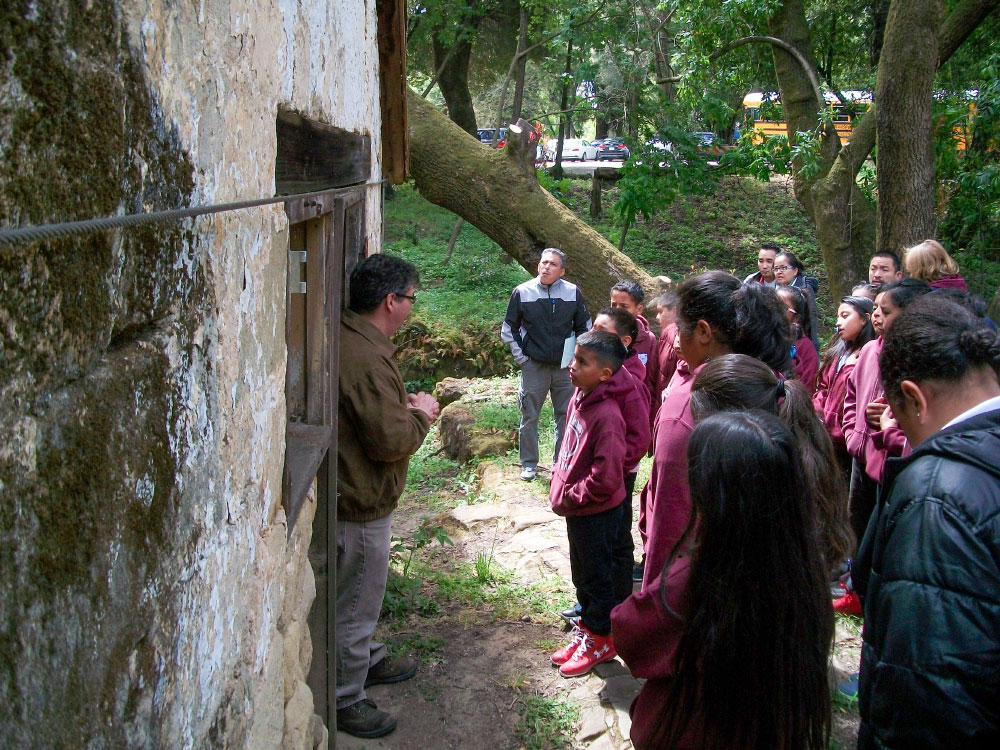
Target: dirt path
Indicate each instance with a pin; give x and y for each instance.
(483, 637)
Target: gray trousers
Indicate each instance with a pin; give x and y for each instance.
(537, 381)
(362, 569)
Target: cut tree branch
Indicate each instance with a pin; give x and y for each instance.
(789, 48)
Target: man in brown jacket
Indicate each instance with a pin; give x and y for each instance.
(380, 427)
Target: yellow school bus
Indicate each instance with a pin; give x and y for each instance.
(764, 109)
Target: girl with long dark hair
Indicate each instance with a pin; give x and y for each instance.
(716, 315)
(854, 330)
(736, 382)
(733, 636)
(805, 360)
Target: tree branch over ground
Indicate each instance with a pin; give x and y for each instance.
(496, 191)
(807, 66)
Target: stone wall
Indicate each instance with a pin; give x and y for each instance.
(149, 596)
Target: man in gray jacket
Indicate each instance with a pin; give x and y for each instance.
(541, 315)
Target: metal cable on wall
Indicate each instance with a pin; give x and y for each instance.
(22, 235)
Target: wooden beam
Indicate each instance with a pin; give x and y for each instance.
(313, 156)
(392, 89)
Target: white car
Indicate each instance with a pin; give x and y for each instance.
(578, 149)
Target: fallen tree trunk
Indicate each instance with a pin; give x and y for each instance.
(496, 191)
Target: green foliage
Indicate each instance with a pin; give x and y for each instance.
(558, 188)
(970, 179)
(806, 152)
(760, 158)
(547, 723)
(454, 329)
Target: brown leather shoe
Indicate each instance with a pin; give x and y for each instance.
(363, 719)
(391, 670)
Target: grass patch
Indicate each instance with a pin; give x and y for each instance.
(425, 649)
(499, 594)
(547, 723)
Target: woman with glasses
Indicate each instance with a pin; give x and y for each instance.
(789, 271)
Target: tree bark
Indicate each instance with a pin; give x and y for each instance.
(563, 114)
(497, 192)
(522, 62)
(453, 63)
(904, 91)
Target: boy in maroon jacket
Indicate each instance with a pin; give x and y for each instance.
(628, 295)
(588, 488)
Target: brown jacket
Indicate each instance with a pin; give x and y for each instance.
(377, 431)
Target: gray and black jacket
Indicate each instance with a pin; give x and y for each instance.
(540, 318)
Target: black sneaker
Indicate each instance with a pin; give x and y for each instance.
(637, 571)
(389, 671)
(363, 719)
(572, 614)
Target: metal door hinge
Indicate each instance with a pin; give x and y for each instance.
(296, 258)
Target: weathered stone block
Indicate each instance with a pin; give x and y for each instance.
(449, 390)
(462, 438)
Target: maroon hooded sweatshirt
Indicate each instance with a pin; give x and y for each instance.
(828, 400)
(805, 363)
(647, 348)
(951, 281)
(589, 475)
(666, 499)
(633, 400)
(646, 637)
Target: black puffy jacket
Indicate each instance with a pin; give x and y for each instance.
(928, 572)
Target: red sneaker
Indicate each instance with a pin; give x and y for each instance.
(849, 604)
(593, 650)
(564, 654)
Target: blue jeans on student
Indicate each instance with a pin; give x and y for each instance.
(591, 540)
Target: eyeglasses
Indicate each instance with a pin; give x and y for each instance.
(783, 268)
(411, 297)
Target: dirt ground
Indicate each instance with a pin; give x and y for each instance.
(482, 674)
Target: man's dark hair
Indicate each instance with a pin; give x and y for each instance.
(607, 347)
(631, 288)
(557, 252)
(624, 321)
(896, 263)
(769, 246)
(378, 276)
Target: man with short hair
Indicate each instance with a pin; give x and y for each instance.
(541, 315)
(884, 267)
(765, 265)
(380, 427)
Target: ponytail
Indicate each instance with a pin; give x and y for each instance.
(736, 382)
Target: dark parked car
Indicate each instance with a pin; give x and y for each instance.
(486, 136)
(612, 149)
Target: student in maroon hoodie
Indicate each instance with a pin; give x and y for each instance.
(805, 361)
(666, 316)
(629, 295)
(864, 402)
(632, 396)
(854, 330)
(717, 315)
(732, 634)
(588, 488)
